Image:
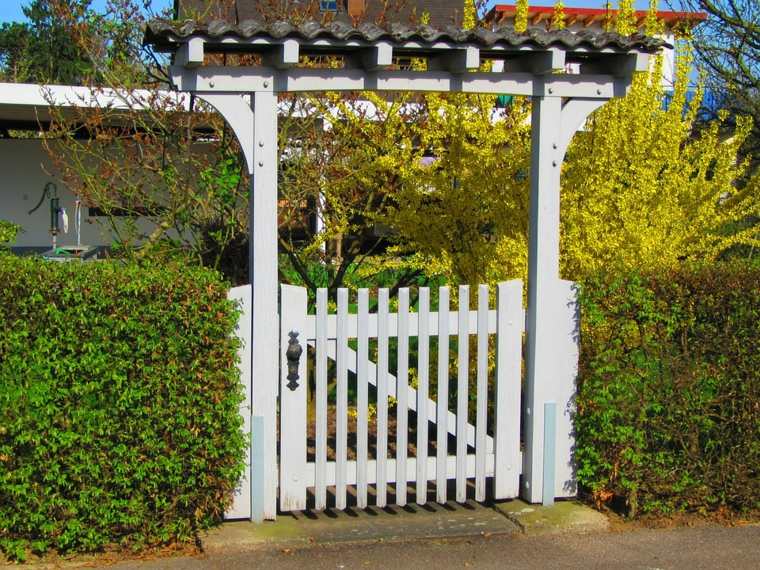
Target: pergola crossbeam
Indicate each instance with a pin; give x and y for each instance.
(456, 61)
(539, 62)
(219, 79)
(619, 65)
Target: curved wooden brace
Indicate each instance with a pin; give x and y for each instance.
(574, 114)
(238, 113)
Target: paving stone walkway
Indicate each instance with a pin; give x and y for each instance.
(393, 524)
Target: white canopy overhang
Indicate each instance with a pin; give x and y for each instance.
(27, 106)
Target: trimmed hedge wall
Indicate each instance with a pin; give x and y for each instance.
(668, 411)
(119, 403)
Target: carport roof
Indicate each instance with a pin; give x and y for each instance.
(26, 106)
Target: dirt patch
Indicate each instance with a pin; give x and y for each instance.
(108, 557)
(724, 518)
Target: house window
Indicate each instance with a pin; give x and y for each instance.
(328, 5)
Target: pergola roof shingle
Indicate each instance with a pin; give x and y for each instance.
(167, 35)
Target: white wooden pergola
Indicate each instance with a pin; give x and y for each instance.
(534, 65)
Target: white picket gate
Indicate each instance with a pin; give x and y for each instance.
(352, 353)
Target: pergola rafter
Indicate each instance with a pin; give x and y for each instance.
(531, 64)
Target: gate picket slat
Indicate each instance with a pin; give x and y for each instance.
(442, 396)
(382, 397)
(481, 408)
(293, 400)
(320, 479)
(362, 397)
(511, 319)
(423, 371)
(402, 395)
(372, 375)
(341, 408)
(463, 356)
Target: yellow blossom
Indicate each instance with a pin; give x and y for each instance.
(521, 16)
(626, 18)
(559, 17)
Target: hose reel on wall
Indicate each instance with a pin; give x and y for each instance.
(59, 222)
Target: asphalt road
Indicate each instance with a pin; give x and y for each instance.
(688, 548)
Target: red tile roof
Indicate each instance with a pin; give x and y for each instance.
(588, 16)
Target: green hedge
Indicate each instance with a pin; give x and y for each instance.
(8, 233)
(119, 403)
(668, 411)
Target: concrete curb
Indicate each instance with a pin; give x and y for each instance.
(562, 517)
(408, 524)
(391, 525)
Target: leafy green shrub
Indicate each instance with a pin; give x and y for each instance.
(668, 410)
(8, 233)
(119, 403)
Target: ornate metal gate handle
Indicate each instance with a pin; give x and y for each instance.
(293, 355)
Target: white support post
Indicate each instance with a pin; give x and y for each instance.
(253, 118)
(264, 276)
(543, 374)
(510, 326)
(241, 503)
(553, 317)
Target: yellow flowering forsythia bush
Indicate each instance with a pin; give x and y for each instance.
(625, 23)
(559, 18)
(641, 190)
(639, 187)
(462, 211)
(446, 177)
(521, 16)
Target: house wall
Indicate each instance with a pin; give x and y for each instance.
(669, 62)
(25, 169)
